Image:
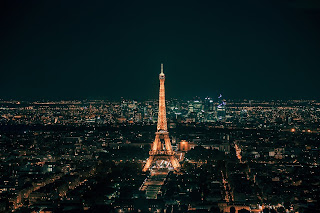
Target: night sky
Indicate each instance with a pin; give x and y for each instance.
(110, 49)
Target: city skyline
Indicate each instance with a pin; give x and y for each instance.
(240, 157)
(245, 50)
(100, 156)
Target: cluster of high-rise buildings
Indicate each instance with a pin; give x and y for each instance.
(298, 114)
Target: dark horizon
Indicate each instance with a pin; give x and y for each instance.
(80, 50)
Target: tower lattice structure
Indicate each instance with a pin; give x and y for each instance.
(161, 148)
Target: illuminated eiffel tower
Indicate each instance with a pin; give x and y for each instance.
(161, 153)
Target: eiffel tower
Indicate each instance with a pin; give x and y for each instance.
(161, 153)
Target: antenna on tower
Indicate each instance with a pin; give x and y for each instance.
(161, 68)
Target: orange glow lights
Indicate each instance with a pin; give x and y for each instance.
(160, 150)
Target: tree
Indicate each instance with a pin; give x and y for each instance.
(243, 211)
(215, 209)
(266, 210)
(232, 210)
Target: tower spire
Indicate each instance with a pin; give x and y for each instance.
(161, 148)
(162, 68)
(162, 118)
